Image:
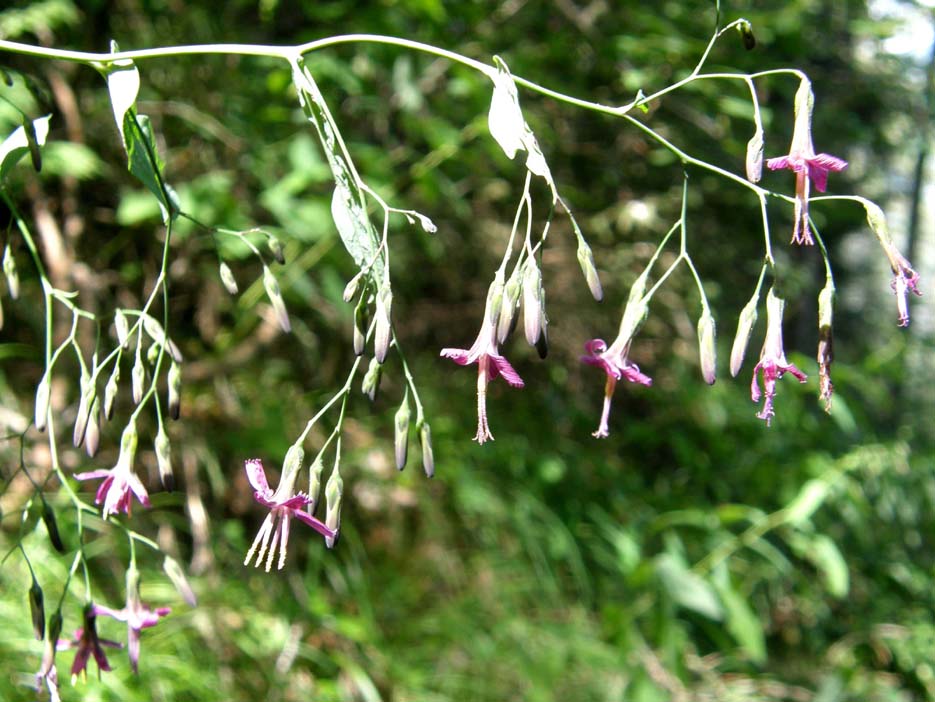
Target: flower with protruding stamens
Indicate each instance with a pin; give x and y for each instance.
(773, 361)
(120, 481)
(283, 504)
(87, 644)
(807, 165)
(484, 352)
(613, 361)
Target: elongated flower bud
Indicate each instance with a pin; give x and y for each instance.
(586, 261)
(175, 390)
(275, 297)
(164, 459)
(110, 392)
(825, 344)
(9, 270)
(742, 337)
(334, 490)
(275, 248)
(428, 455)
(360, 328)
(92, 435)
(371, 383)
(506, 320)
(88, 395)
(315, 472)
(51, 526)
(351, 288)
(175, 573)
(383, 332)
(754, 161)
(706, 347)
(37, 610)
(227, 278)
(401, 436)
(158, 335)
(43, 391)
(137, 378)
(746, 34)
(122, 327)
(54, 630)
(532, 302)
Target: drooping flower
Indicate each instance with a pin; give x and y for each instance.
(136, 615)
(284, 504)
(613, 361)
(905, 280)
(120, 481)
(484, 352)
(89, 644)
(807, 165)
(773, 363)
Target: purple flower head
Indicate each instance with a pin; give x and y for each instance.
(773, 361)
(120, 481)
(905, 280)
(283, 505)
(613, 361)
(88, 644)
(484, 352)
(136, 615)
(807, 165)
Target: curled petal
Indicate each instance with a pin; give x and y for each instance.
(257, 477)
(776, 164)
(460, 356)
(502, 366)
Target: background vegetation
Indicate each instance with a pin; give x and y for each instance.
(695, 554)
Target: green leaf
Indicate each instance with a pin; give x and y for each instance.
(811, 495)
(742, 622)
(15, 146)
(826, 556)
(688, 589)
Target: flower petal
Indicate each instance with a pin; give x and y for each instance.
(314, 523)
(506, 370)
(257, 476)
(460, 356)
(776, 164)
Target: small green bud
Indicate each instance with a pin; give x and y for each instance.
(275, 297)
(164, 459)
(92, 435)
(88, 395)
(174, 381)
(110, 392)
(227, 278)
(371, 382)
(334, 490)
(746, 34)
(401, 437)
(51, 526)
(43, 391)
(428, 455)
(382, 334)
(152, 354)
(350, 290)
(706, 347)
(54, 629)
(586, 261)
(9, 270)
(37, 610)
(360, 328)
(742, 337)
(314, 480)
(275, 248)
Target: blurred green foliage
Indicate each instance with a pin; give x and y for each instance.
(695, 554)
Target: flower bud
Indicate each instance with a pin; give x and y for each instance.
(401, 437)
(383, 332)
(428, 455)
(175, 573)
(532, 302)
(175, 390)
(275, 248)
(37, 610)
(152, 354)
(227, 278)
(825, 344)
(754, 162)
(88, 395)
(137, 378)
(742, 337)
(43, 390)
(158, 335)
(633, 315)
(292, 464)
(314, 481)
(54, 629)
(164, 459)
(542, 343)
(360, 329)
(506, 320)
(110, 392)
(275, 297)
(51, 526)
(371, 382)
(746, 34)
(586, 261)
(92, 435)
(351, 288)
(122, 327)
(9, 270)
(334, 489)
(128, 442)
(706, 347)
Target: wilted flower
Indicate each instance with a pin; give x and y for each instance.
(773, 361)
(283, 504)
(136, 615)
(613, 361)
(905, 280)
(88, 643)
(490, 363)
(120, 481)
(808, 165)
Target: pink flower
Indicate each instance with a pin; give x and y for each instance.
(905, 280)
(490, 364)
(88, 644)
(614, 363)
(773, 361)
(136, 615)
(283, 505)
(807, 165)
(120, 481)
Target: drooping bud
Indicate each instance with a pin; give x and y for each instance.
(371, 382)
(275, 248)
(401, 436)
(128, 443)
(37, 610)
(137, 378)
(43, 391)
(506, 321)
(586, 261)
(92, 435)
(532, 302)
(706, 347)
(825, 344)
(88, 395)
(164, 459)
(122, 327)
(51, 526)
(314, 481)
(110, 392)
(54, 629)
(742, 337)
(351, 288)
(754, 161)
(174, 381)
(227, 278)
(152, 354)
(383, 331)
(746, 34)
(428, 455)
(542, 343)
(9, 270)
(360, 328)
(158, 335)
(275, 297)
(175, 573)
(334, 489)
